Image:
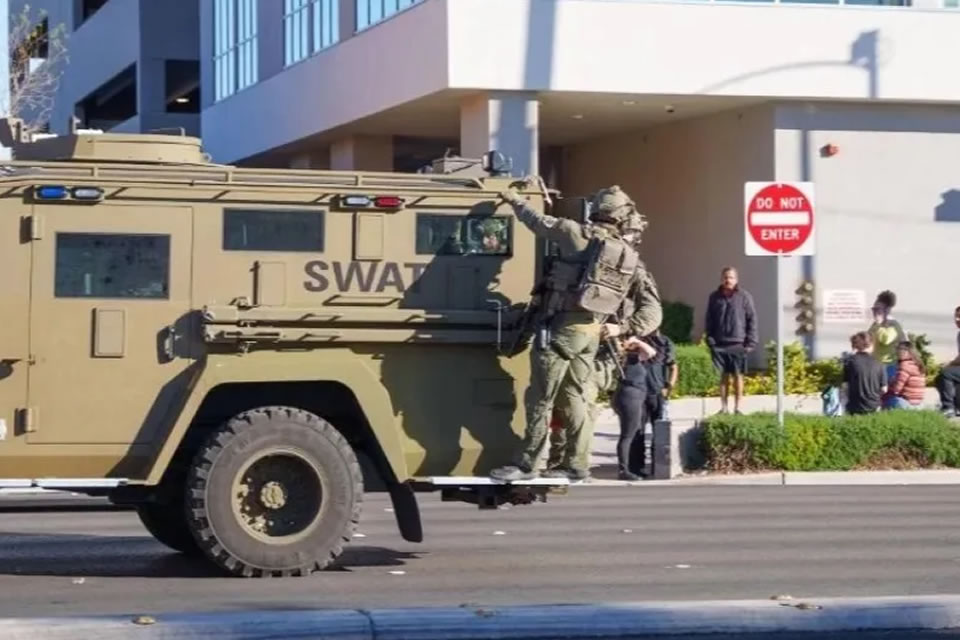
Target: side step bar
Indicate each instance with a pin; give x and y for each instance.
(489, 493)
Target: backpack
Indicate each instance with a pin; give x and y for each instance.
(608, 275)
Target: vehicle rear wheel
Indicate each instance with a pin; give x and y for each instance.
(168, 524)
(274, 491)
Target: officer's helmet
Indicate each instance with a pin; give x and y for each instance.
(611, 205)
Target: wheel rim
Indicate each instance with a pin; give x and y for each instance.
(278, 496)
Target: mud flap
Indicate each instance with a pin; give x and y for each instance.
(407, 512)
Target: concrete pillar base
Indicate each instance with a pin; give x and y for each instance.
(362, 153)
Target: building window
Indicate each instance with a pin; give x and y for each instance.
(105, 265)
(84, 10)
(446, 235)
(370, 12)
(112, 103)
(182, 84)
(309, 26)
(234, 46)
(272, 230)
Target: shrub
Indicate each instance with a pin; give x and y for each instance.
(800, 375)
(677, 321)
(922, 344)
(696, 377)
(819, 443)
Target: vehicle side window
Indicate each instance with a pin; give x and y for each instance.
(106, 265)
(272, 230)
(464, 235)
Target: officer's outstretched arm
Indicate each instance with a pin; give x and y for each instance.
(542, 225)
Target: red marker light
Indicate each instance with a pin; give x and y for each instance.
(388, 202)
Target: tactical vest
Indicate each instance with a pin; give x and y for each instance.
(598, 281)
(609, 273)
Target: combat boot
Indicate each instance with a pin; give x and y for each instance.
(512, 473)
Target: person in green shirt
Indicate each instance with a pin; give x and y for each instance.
(886, 332)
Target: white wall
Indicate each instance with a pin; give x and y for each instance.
(757, 49)
(878, 202)
(687, 178)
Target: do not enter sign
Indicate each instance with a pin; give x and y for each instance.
(779, 218)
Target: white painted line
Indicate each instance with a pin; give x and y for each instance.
(786, 219)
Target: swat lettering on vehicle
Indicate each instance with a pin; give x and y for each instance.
(371, 276)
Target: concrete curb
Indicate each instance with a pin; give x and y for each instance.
(796, 478)
(574, 622)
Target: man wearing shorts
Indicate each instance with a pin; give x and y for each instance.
(730, 329)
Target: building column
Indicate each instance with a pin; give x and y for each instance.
(362, 153)
(504, 122)
(347, 19)
(310, 160)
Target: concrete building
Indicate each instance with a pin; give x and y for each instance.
(133, 65)
(680, 102)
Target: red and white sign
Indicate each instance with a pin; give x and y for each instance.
(779, 218)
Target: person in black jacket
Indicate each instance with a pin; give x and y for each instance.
(730, 329)
(629, 402)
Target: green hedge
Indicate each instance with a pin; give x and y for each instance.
(696, 375)
(888, 439)
(801, 376)
(677, 321)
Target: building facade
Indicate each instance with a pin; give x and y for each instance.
(679, 102)
(132, 65)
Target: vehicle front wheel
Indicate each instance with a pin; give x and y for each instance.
(274, 491)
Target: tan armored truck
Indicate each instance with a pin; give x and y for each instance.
(243, 353)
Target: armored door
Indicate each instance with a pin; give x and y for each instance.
(14, 307)
(109, 317)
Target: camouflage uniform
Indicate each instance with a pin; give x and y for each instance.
(645, 318)
(562, 370)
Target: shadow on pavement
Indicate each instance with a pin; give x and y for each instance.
(80, 556)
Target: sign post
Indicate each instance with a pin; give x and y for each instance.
(779, 221)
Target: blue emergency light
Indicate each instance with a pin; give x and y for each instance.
(60, 192)
(51, 192)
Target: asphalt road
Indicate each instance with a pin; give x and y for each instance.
(597, 544)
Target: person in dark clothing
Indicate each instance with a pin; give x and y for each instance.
(864, 377)
(661, 375)
(730, 329)
(629, 403)
(948, 380)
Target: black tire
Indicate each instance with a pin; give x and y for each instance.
(168, 524)
(288, 465)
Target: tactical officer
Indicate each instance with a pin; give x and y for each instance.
(568, 336)
(643, 314)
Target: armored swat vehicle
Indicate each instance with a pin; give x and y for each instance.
(243, 353)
